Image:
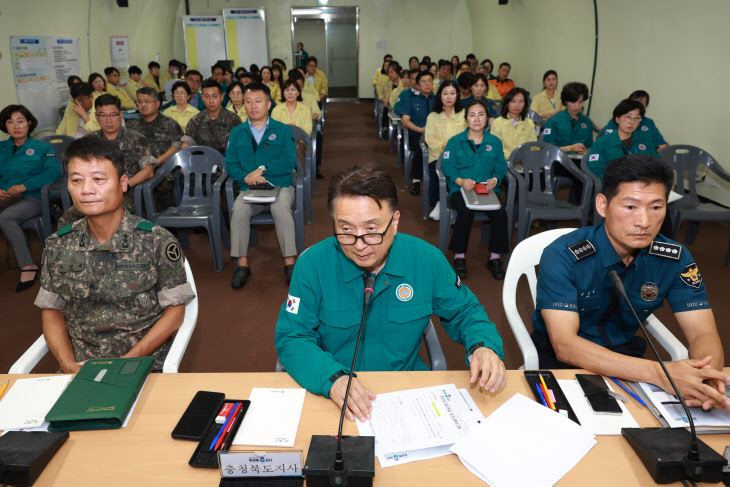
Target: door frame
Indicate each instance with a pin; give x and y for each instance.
(327, 14)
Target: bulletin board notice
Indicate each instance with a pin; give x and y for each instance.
(65, 55)
(32, 77)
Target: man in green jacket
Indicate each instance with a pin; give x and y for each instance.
(260, 150)
(319, 322)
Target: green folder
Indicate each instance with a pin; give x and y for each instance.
(100, 395)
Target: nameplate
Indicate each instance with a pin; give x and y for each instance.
(133, 266)
(258, 464)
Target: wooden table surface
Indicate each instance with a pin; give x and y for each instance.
(143, 453)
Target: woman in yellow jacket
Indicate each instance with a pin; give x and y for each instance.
(267, 78)
(235, 94)
(547, 103)
(291, 110)
(98, 84)
(382, 72)
(181, 111)
(513, 128)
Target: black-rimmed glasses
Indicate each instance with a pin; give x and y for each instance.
(367, 238)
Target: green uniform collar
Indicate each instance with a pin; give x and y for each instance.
(394, 265)
(122, 241)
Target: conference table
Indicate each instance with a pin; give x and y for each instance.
(144, 454)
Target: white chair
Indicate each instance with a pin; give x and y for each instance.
(524, 258)
(35, 353)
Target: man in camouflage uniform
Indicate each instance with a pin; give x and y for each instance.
(138, 161)
(163, 135)
(212, 126)
(112, 284)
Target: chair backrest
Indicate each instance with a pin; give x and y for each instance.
(300, 134)
(684, 160)
(537, 160)
(538, 121)
(197, 163)
(597, 183)
(182, 337)
(59, 144)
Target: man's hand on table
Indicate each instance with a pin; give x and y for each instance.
(699, 383)
(359, 401)
(493, 374)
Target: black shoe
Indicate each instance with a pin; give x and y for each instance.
(239, 277)
(288, 271)
(416, 188)
(460, 268)
(495, 267)
(22, 286)
(319, 174)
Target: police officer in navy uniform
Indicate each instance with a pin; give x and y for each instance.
(580, 321)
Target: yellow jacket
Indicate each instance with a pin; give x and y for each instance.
(70, 122)
(127, 102)
(393, 99)
(512, 137)
(132, 87)
(439, 129)
(150, 81)
(492, 93)
(166, 77)
(241, 113)
(542, 104)
(311, 100)
(181, 117)
(386, 89)
(275, 92)
(319, 84)
(379, 78)
(302, 117)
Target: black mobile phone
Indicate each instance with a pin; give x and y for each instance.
(596, 392)
(265, 186)
(196, 418)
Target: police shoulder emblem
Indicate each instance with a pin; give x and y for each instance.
(582, 250)
(691, 276)
(649, 291)
(404, 292)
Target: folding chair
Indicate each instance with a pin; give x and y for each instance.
(309, 168)
(538, 121)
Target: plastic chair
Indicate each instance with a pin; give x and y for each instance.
(447, 214)
(34, 354)
(393, 133)
(200, 205)
(378, 103)
(407, 157)
(597, 186)
(525, 257)
(436, 357)
(57, 190)
(309, 169)
(425, 179)
(536, 183)
(538, 121)
(316, 148)
(266, 218)
(685, 159)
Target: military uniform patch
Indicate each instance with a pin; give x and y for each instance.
(649, 291)
(582, 250)
(173, 252)
(666, 250)
(691, 276)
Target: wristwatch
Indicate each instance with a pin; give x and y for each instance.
(262, 168)
(473, 348)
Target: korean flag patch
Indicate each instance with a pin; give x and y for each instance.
(594, 157)
(609, 131)
(29, 152)
(272, 136)
(547, 131)
(292, 304)
(446, 155)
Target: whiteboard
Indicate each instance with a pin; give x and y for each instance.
(32, 76)
(204, 42)
(246, 36)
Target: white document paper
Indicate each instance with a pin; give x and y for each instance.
(553, 444)
(598, 424)
(712, 421)
(272, 418)
(419, 424)
(28, 401)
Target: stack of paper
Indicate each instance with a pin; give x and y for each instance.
(669, 407)
(272, 419)
(419, 424)
(520, 434)
(28, 401)
(598, 424)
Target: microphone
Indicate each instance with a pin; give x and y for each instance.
(360, 449)
(660, 449)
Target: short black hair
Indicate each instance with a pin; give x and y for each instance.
(509, 97)
(174, 63)
(423, 74)
(149, 91)
(385, 58)
(72, 80)
(183, 85)
(491, 64)
(572, 92)
(369, 181)
(90, 148)
(153, 64)
(248, 75)
(253, 68)
(227, 69)
(193, 72)
(8, 111)
(476, 101)
(426, 59)
(395, 67)
(505, 64)
(110, 70)
(134, 70)
(639, 94)
(211, 83)
(239, 70)
(444, 62)
(311, 59)
(438, 104)
(465, 80)
(218, 66)
(233, 84)
(471, 55)
(287, 84)
(412, 58)
(464, 63)
(423, 63)
(81, 89)
(295, 74)
(626, 106)
(476, 77)
(93, 77)
(548, 73)
(632, 168)
(107, 99)
(257, 86)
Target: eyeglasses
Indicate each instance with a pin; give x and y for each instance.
(629, 118)
(194, 81)
(367, 238)
(146, 102)
(104, 116)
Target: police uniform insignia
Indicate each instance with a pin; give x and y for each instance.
(404, 292)
(547, 131)
(272, 137)
(691, 276)
(645, 128)
(446, 154)
(29, 152)
(458, 282)
(582, 250)
(488, 148)
(583, 126)
(666, 250)
(292, 304)
(642, 147)
(173, 252)
(594, 157)
(649, 291)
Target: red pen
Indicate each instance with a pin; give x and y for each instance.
(228, 428)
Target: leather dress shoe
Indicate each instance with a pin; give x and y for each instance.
(416, 188)
(495, 267)
(460, 268)
(22, 286)
(239, 277)
(288, 271)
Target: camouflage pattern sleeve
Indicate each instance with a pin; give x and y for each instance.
(142, 152)
(47, 299)
(174, 131)
(172, 286)
(191, 131)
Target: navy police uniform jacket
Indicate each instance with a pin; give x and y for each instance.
(574, 277)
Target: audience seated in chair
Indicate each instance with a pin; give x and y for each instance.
(134, 82)
(113, 88)
(415, 112)
(212, 126)
(547, 103)
(181, 110)
(79, 118)
(235, 94)
(570, 129)
(646, 125)
(502, 82)
(112, 284)
(153, 76)
(173, 71)
(513, 128)
(98, 84)
(261, 150)
(316, 78)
